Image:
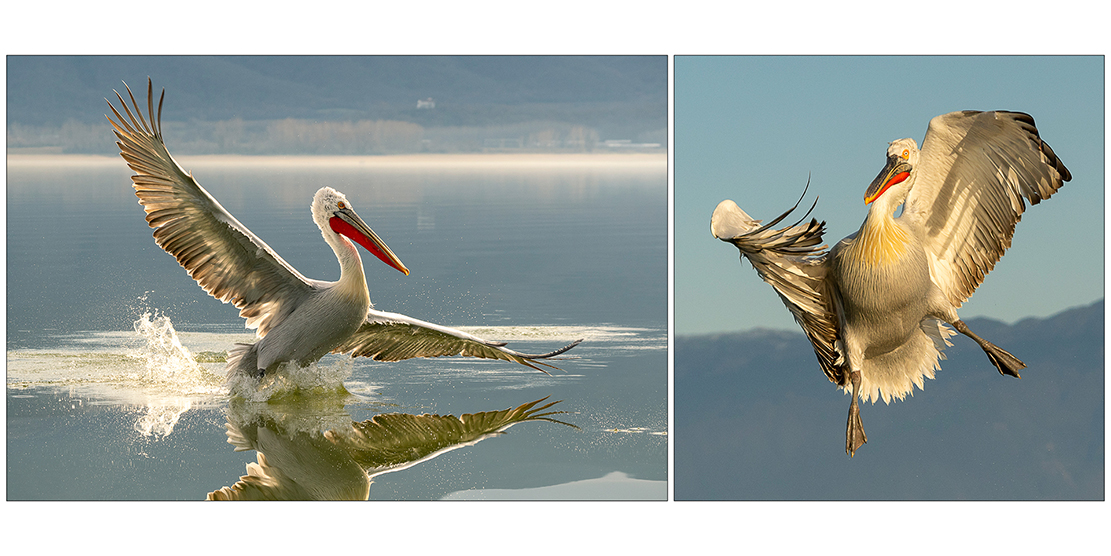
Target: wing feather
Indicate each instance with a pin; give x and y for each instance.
(389, 442)
(395, 337)
(222, 255)
(793, 261)
(975, 171)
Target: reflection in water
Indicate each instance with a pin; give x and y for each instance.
(160, 418)
(321, 454)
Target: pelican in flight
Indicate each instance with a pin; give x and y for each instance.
(297, 319)
(876, 306)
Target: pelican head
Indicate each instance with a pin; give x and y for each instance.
(336, 219)
(902, 159)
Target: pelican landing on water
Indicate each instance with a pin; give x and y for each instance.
(298, 319)
(876, 305)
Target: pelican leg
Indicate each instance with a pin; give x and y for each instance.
(1004, 361)
(854, 431)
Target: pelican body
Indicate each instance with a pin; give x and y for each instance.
(297, 319)
(875, 306)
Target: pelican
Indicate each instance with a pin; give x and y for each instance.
(297, 319)
(295, 463)
(876, 306)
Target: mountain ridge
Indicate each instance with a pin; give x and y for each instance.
(755, 418)
(52, 89)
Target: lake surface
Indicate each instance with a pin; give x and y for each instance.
(115, 385)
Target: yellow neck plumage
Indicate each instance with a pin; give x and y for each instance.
(881, 241)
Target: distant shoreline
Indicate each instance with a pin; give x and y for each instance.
(616, 161)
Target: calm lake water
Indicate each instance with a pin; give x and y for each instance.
(114, 371)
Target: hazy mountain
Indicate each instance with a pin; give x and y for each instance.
(755, 418)
(620, 97)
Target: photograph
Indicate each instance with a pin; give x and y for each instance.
(486, 317)
(903, 336)
(556, 278)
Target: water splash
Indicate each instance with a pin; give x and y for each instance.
(159, 419)
(172, 371)
(168, 364)
(323, 378)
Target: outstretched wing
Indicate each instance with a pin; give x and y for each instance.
(394, 337)
(792, 260)
(223, 256)
(339, 464)
(974, 170)
(395, 441)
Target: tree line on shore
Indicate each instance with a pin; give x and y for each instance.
(301, 136)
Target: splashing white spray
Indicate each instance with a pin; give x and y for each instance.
(291, 380)
(169, 365)
(160, 419)
(171, 370)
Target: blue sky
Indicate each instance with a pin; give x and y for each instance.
(752, 128)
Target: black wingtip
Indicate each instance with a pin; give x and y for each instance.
(532, 360)
(553, 353)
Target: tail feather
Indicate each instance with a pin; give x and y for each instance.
(793, 261)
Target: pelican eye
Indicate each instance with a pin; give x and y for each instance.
(906, 153)
(341, 205)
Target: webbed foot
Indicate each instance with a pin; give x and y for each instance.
(854, 432)
(1006, 363)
